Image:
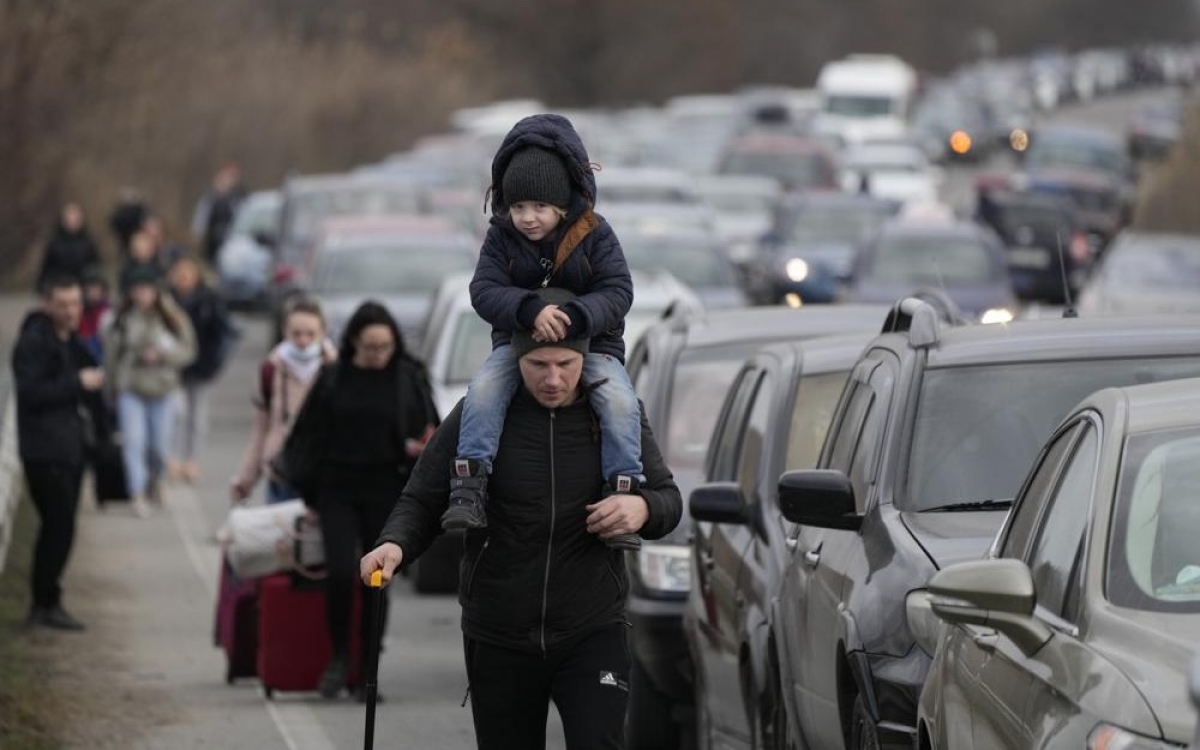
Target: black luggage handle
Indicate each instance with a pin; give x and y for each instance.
(370, 683)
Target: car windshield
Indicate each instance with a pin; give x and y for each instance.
(1154, 267)
(697, 263)
(795, 169)
(702, 377)
(1062, 153)
(931, 259)
(470, 344)
(390, 268)
(1154, 561)
(859, 106)
(835, 224)
(979, 428)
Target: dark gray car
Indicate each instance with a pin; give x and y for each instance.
(1079, 628)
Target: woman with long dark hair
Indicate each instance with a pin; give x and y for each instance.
(147, 346)
(362, 427)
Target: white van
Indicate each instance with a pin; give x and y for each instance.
(865, 98)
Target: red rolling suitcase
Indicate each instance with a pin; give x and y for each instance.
(293, 639)
(236, 628)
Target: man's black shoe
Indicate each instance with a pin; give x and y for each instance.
(57, 618)
(468, 497)
(333, 679)
(623, 484)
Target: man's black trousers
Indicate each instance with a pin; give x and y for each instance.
(54, 490)
(588, 682)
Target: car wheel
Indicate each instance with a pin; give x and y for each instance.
(649, 725)
(863, 733)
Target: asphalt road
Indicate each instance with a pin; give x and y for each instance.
(159, 581)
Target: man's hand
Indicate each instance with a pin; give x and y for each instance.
(91, 378)
(385, 557)
(551, 324)
(616, 515)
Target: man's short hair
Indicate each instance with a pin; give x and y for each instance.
(52, 284)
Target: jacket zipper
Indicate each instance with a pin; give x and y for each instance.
(550, 541)
(475, 566)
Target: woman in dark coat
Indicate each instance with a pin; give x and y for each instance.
(71, 251)
(361, 430)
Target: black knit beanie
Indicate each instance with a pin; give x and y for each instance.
(523, 341)
(536, 175)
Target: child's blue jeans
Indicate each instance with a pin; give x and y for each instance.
(614, 401)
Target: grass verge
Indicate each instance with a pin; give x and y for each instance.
(29, 710)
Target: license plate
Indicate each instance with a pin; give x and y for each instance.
(1029, 257)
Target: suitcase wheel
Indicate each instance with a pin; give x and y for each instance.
(270, 693)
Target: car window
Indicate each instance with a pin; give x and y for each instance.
(470, 346)
(729, 437)
(1154, 561)
(1059, 542)
(750, 455)
(862, 465)
(816, 402)
(1037, 491)
(850, 427)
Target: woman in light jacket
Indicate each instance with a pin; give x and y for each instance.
(284, 380)
(149, 343)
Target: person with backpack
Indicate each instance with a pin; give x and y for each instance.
(148, 344)
(545, 233)
(283, 383)
(216, 337)
(362, 428)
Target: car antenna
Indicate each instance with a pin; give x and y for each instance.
(1070, 311)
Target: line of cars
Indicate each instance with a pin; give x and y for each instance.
(844, 472)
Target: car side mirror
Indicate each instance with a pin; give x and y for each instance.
(718, 502)
(820, 498)
(991, 593)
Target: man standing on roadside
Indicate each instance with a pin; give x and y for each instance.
(59, 417)
(543, 596)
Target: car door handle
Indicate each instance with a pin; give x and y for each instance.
(986, 640)
(791, 542)
(812, 558)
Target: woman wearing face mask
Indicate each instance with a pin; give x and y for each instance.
(362, 429)
(149, 343)
(284, 380)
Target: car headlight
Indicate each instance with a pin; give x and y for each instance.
(924, 625)
(666, 568)
(996, 315)
(1109, 737)
(796, 269)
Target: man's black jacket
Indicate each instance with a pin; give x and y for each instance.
(535, 579)
(52, 405)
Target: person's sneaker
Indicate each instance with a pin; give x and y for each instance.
(333, 679)
(623, 484)
(57, 618)
(141, 508)
(468, 496)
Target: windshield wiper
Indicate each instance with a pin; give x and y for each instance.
(988, 504)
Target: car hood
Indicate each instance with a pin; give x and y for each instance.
(950, 538)
(973, 300)
(1155, 651)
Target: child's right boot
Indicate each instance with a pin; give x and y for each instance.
(468, 496)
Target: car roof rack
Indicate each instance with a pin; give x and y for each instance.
(920, 319)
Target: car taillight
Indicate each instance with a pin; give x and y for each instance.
(283, 274)
(1081, 249)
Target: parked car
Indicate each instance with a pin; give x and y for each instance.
(895, 171)
(309, 201)
(1145, 272)
(774, 419)
(964, 260)
(1045, 241)
(809, 252)
(932, 436)
(398, 261)
(743, 206)
(799, 163)
(697, 259)
(681, 369)
(244, 259)
(1079, 628)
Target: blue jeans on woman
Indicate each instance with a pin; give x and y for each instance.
(614, 401)
(145, 438)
